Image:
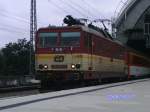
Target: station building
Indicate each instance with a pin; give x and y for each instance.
(132, 24)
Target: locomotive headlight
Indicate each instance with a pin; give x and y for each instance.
(73, 66)
(78, 66)
(41, 66)
(45, 66)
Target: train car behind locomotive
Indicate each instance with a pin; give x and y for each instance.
(80, 53)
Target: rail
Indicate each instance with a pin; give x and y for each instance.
(19, 88)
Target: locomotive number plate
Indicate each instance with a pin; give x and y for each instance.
(59, 58)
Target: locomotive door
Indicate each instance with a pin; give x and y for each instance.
(90, 52)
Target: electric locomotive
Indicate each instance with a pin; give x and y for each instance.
(84, 53)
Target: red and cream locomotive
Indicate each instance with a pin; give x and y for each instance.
(81, 53)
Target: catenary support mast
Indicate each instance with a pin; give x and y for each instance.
(33, 29)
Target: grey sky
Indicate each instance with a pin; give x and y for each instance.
(14, 14)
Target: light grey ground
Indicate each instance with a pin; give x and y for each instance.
(126, 98)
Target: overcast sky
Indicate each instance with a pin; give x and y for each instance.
(15, 14)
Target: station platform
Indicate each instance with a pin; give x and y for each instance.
(130, 96)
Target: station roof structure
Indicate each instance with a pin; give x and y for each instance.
(132, 23)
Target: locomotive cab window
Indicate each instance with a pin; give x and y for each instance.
(47, 40)
(70, 39)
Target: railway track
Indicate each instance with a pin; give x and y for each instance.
(7, 89)
(71, 93)
(10, 92)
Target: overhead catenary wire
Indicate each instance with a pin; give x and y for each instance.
(90, 5)
(14, 27)
(83, 8)
(63, 10)
(13, 31)
(17, 34)
(58, 7)
(74, 8)
(71, 9)
(16, 17)
(72, 5)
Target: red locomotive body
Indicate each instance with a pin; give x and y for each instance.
(81, 53)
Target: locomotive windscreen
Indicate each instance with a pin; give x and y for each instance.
(70, 39)
(47, 40)
(63, 39)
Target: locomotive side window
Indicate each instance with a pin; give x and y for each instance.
(47, 40)
(70, 39)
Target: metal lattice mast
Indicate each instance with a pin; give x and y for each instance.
(33, 29)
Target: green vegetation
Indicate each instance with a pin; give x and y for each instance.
(14, 58)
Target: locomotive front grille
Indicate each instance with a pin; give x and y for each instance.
(59, 66)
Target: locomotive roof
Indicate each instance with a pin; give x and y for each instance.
(98, 33)
(86, 29)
